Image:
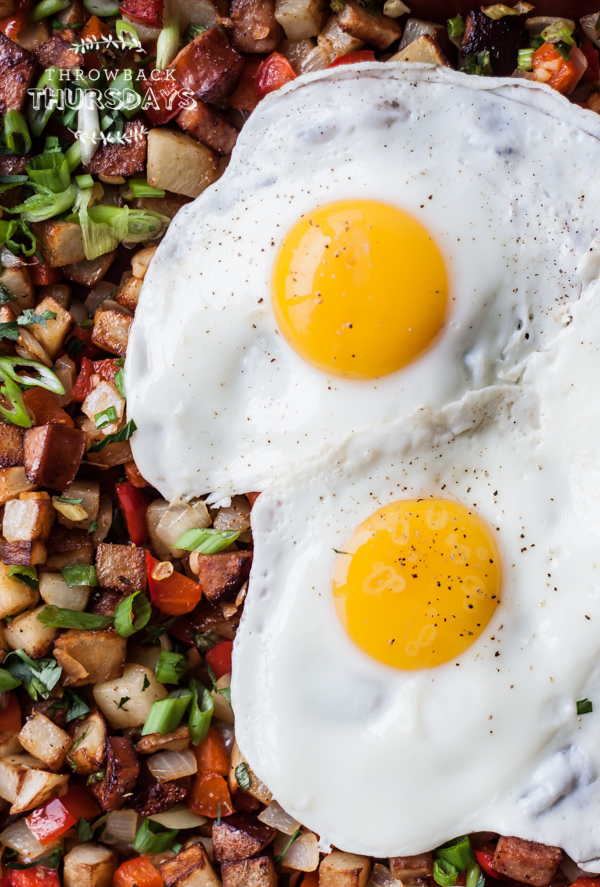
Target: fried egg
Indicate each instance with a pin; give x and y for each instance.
(423, 616)
(385, 237)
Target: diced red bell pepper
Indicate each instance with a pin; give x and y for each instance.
(13, 24)
(586, 882)
(551, 68)
(150, 12)
(10, 716)
(486, 862)
(39, 876)
(138, 871)
(244, 97)
(133, 475)
(164, 97)
(353, 58)
(58, 815)
(219, 658)
(93, 32)
(210, 796)
(43, 274)
(174, 595)
(592, 71)
(211, 754)
(133, 503)
(106, 369)
(274, 72)
(89, 350)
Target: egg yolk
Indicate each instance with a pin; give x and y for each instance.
(359, 288)
(418, 582)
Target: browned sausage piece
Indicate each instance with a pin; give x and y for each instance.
(52, 455)
(406, 868)
(240, 836)
(152, 797)
(502, 38)
(125, 158)
(255, 28)
(208, 66)
(221, 575)
(121, 567)
(122, 769)
(11, 445)
(17, 66)
(526, 861)
(206, 125)
(59, 50)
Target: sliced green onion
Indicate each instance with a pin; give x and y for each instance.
(8, 681)
(525, 59)
(132, 614)
(85, 181)
(47, 8)
(281, 856)
(73, 156)
(25, 575)
(206, 541)
(10, 330)
(16, 133)
(141, 188)
(18, 415)
(45, 378)
(123, 94)
(242, 776)
(52, 143)
(151, 837)
(79, 574)
(201, 712)
(167, 45)
(456, 27)
(444, 873)
(98, 237)
(167, 714)
(51, 206)
(101, 8)
(105, 417)
(144, 224)
(44, 99)
(475, 876)
(118, 436)
(170, 667)
(205, 640)
(127, 35)
(50, 170)
(584, 707)
(558, 32)
(88, 125)
(59, 617)
(458, 853)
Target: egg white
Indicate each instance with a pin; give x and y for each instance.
(381, 761)
(496, 170)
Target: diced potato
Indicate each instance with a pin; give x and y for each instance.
(28, 518)
(55, 592)
(111, 330)
(101, 398)
(89, 865)
(13, 482)
(344, 870)
(412, 868)
(295, 51)
(11, 445)
(379, 29)
(62, 242)
(204, 12)
(177, 162)
(91, 271)
(60, 292)
(335, 42)
(44, 740)
(141, 261)
(257, 788)
(190, 868)
(257, 872)
(38, 786)
(109, 697)
(14, 596)
(9, 744)
(68, 547)
(17, 279)
(424, 49)
(128, 293)
(301, 18)
(90, 656)
(27, 633)
(12, 774)
(25, 554)
(90, 739)
(54, 335)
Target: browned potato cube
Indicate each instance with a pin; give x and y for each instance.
(61, 242)
(59, 51)
(44, 740)
(255, 28)
(424, 49)
(53, 454)
(25, 554)
(177, 162)
(68, 547)
(128, 293)
(208, 66)
(337, 42)
(240, 836)
(14, 596)
(380, 30)
(412, 867)
(28, 518)
(111, 329)
(301, 19)
(89, 657)
(17, 66)
(208, 126)
(90, 739)
(89, 865)
(18, 280)
(221, 575)
(27, 633)
(13, 482)
(259, 872)
(104, 396)
(11, 445)
(190, 868)
(121, 566)
(344, 870)
(90, 271)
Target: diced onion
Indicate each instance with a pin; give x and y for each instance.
(88, 124)
(538, 23)
(66, 371)
(179, 517)
(96, 295)
(382, 877)
(275, 816)
(223, 709)
(302, 855)
(395, 8)
(168, 765)
(121, 826)
(104, 519)
(235, 517)
(588, 23)
(179, 817)
(316, 60)
(18, 837)
(167, 45)
(415, 28)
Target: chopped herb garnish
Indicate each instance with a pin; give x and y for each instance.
(51, 861)
(123, 701)
(74, 347)
(84, 831)
(29, 317)
(60, 617)
(584, 707)
(456, 27)
(6, 295)
(69, 501)
(170, 667)
(132, 614)
(118, 436)
(120, 384)
(25, 575)
(75, 746)
(204, 640)
(153, 838)
(154, 632)
(281, 856)
(92, 527)
(79, 574)
(38, 676)
(225, 691)
(242, 776)
(337, 551)
(146, 683)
